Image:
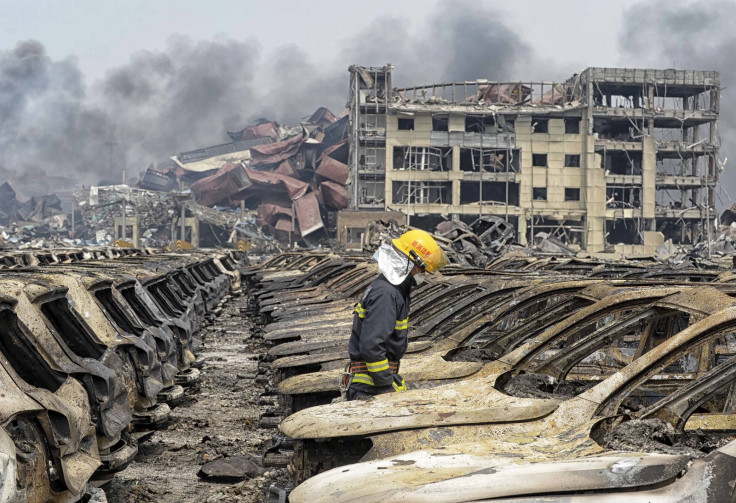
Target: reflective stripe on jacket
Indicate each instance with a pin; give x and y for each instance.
(380, 330)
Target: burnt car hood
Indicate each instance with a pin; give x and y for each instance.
(472, 401)
(424, 476)
(421, 368)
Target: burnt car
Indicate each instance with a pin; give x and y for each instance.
(578, 429)
(47, 415)
(28, 339)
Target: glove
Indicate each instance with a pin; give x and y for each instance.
(399, 385)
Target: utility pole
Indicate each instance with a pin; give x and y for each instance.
(74, 204)
(125, 204)
(111, 143)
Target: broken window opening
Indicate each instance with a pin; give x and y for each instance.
(374, 122)
(616, 96)
(140, 308)
(440, 122)
(371, 192)
(566, 231)
(622, 162)
(623, 196)
(572, 194)
(118, 315)
(680, 231)
(619, 130)
(572, 160)
(539, 160)
(572, 125)
(423, 158)
(422, 192)
(22, 356)
(679, 199)
(484, 124)
(539, 193)
(185, 283)
(371, 158)
(71, 329)
(493, 192)
(662, 134)
(540, 124)
(166, 299)
(489, 160)
(673, 103)
(696, 166)
(406, 124)
(161, 302)
(623, 231)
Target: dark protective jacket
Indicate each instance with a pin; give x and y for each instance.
(380, 335)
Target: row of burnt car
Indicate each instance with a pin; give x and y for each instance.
(567, 381)
(96, 346)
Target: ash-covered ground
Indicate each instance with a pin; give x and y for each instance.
(219, 421)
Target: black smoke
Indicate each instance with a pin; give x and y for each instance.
(693, 36)
(182, 98)
(46, 123)
(458, 41)
(190, 93)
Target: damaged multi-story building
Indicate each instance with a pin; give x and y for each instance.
(612, 159)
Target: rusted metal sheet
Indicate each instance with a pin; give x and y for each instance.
(335, 196)
(270, 129)
(289, 167)
(332, 169)
(283, 224)
(227, 181)
(294, 188)
(322, 116)
(307, 212)
(502, 93)
(269, 213)
(557, 95)
(338, 151)
(275, 152)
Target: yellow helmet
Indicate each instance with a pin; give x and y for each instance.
(421, 249)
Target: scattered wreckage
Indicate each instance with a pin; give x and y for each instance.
(525, 369)
(96, 345)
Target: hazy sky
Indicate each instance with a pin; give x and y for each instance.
(166, 76)
(102, 35)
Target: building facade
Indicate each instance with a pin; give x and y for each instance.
(612, 159)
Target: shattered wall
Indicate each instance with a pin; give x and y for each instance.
(610, 160)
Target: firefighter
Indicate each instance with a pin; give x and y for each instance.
(381, 320)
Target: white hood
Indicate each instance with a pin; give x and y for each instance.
(394, 265)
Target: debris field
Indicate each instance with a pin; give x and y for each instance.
(128, 375)
(587, 377)
(198, 376)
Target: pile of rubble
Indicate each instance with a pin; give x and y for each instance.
(479, 243)
(474, 245)
(98, 208)
(30, 223)
(725, 242)
(292, 177)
